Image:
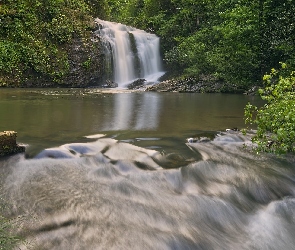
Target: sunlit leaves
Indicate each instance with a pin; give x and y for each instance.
(61, 28)
(276, 119)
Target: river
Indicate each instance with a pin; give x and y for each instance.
(47, 118)
(109, 170)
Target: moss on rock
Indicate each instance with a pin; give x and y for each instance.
(8, 145)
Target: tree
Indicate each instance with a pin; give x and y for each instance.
(278, 33)
(224, 43)
(235, 41)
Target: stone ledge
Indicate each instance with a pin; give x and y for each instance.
(8, 145)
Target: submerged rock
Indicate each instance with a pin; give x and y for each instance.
(8, 144)
(200, 139)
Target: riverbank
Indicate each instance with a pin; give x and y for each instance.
(179, 86)
(193, 85)
(188, 85)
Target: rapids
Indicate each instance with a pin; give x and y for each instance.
(109, 194)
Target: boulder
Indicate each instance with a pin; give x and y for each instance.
(137, 84)
(8, 145)
(110, 84)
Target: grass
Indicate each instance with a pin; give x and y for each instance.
(7, 239)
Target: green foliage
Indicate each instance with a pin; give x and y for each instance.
(34, 35)
(61, 28)
(225, 45)
(87, 64)
(7, 240)
(237, 41)
(278, 32)
(276, 119)
(191, 55)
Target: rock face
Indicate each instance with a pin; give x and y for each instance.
(86, 63)
(85, 66)
(8, 144)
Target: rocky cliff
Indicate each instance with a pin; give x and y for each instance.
(85, 66)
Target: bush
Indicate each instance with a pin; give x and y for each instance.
(276, 119)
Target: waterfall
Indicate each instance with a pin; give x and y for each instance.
(130, 53)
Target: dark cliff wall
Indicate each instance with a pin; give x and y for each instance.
(85, 66)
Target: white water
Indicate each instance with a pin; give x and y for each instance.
(128, 64)
(109, 194)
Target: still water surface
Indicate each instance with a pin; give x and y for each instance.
(46, 118)
(141, 186)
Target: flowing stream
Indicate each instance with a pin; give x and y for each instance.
(103, 171)
(130, 53)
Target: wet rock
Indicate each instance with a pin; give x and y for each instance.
(232, 130)
(198, 139)
(252, 91)
(110, 84)
(85, 63)
(8, 145)
(172, 160)
(139, 83)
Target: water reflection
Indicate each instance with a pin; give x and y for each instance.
(48, 118)
(134, 112)
(148, 118)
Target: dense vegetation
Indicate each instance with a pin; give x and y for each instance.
(7, 241)
(33, 35)
(233, 41)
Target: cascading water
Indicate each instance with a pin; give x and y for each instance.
(130, 53)
(108, 194)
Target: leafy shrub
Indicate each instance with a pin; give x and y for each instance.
(61, 28)
(276, 119)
